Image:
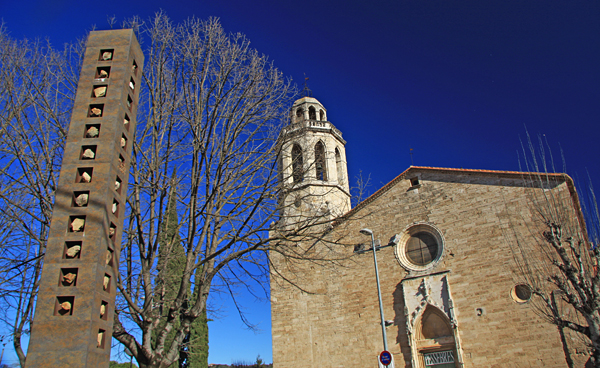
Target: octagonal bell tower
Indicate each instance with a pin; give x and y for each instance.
(312, 166)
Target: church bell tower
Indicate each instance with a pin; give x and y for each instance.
(312, 166)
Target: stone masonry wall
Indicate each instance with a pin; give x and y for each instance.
(336, 323)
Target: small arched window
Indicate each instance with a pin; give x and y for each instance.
(338, 166)
(321, 115)
(280, 170)
(299, 113)
(312, 113)
(320, 161)
(297, 164)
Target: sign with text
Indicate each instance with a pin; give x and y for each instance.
(438, 358)
(385, 358)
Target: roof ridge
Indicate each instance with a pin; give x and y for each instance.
(402, 175)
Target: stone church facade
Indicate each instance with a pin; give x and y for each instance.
(450, 294)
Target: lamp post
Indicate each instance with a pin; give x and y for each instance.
(360, 250)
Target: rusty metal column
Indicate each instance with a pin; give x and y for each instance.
(76, 300)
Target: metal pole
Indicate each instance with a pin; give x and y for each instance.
(385, 347)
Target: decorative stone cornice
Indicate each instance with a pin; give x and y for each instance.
(312, 125)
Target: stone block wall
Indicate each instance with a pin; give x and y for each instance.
(336, 322)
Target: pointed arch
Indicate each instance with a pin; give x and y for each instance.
(433, 324)
(435, 342)
(321, 169)
(299, 115)
(297, 163)
(339, 167)
(312, 113)
(321, 115)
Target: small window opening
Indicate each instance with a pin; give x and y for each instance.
(68, 277)
(320, 161)
(76, 224)
(297, 164)
(134, 68)
(414, 182)
(115, 208)
(84, 175)
(99, 91)
(104, 310)
(126, 122)
(321, 115)
(521, 293)
(299, 112)
(95, 111)
(132, 84)
(88, 153)
(64, 305)
(80, 199)
(124, 142)
(118, 183)
(72, 250)
(92, 130)
(312, 113)
(106, 54)
(112, 231)
(109, 257)
(100, 339)
(106, 283)
(129, 102)
(103, 72)
(121, 164)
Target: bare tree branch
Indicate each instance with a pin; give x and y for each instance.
(210, 115)
(561, 267)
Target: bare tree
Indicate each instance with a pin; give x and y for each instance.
(360, 188)
(37, 89)
(560, 266)
(210, 113)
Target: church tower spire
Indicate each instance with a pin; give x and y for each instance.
(313, 166)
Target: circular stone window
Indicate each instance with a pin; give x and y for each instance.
(420, 247)
(521, 293)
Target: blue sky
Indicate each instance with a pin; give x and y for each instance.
(457, 82)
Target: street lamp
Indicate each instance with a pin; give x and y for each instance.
(360, 250)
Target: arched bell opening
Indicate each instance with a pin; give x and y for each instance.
(339, 167)
(312, 113)
(321, 170)
(435, 341)
(299, 114)
(297, 164)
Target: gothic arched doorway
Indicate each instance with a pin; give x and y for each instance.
(435, 343)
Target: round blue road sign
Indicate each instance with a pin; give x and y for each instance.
(385, 358)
